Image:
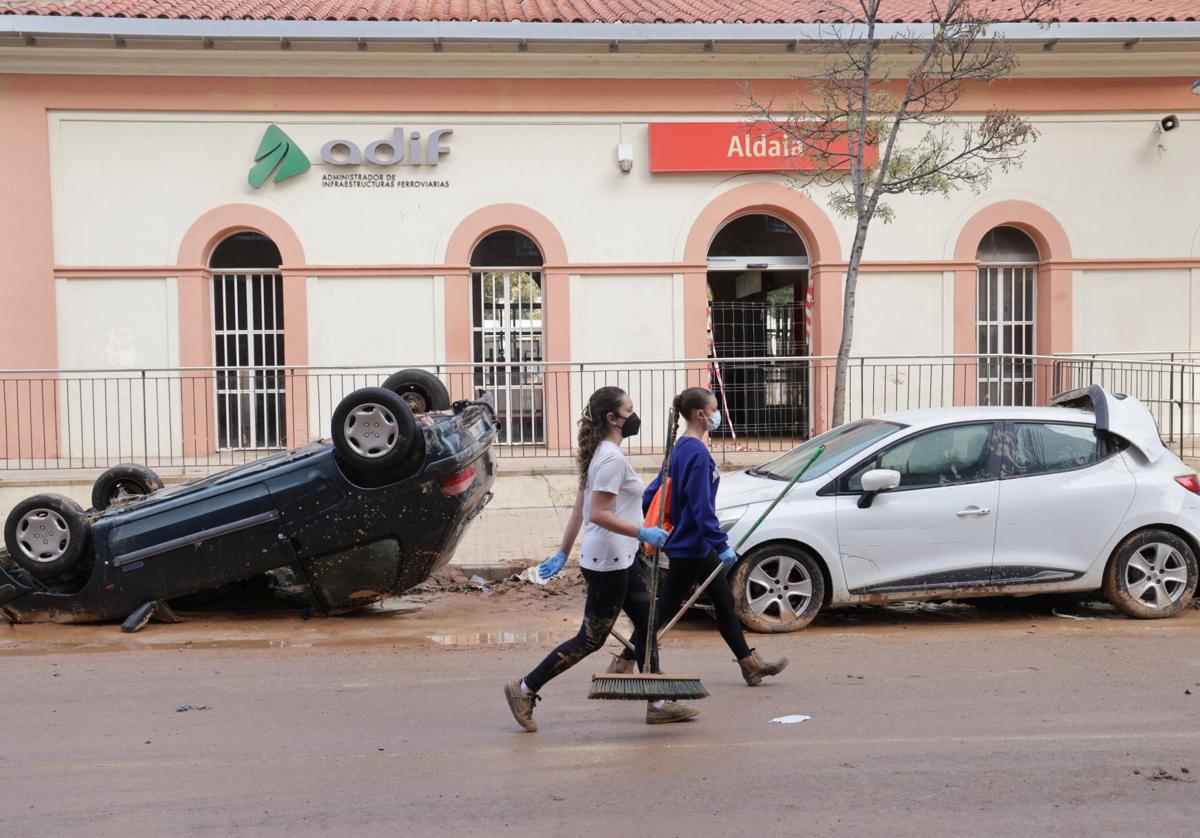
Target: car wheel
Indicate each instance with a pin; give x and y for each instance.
(122, 483)
(373, 429)
(47, 535)
(778, 588)
(1151, 574)
(423, 390)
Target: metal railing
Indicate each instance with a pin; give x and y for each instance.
(169, 418)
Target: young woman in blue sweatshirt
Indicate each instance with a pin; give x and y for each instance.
(696, 544)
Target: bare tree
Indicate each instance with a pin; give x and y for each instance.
(877, 119)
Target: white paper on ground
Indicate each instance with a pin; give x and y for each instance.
(530, 574)
(790, 720)
(1057, 613)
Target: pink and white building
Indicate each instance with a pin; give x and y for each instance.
(558, 183)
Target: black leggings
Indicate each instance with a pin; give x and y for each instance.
(683, 576)
(609, 592)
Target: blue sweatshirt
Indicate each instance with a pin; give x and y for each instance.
(694, 482)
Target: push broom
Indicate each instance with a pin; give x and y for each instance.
(645, 685)
(613, 686)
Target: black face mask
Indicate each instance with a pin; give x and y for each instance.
(633, 424)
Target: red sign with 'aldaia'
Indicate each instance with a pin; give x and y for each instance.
(736, 147)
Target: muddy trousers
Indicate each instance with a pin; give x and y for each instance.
(684, 574)
(609, 592)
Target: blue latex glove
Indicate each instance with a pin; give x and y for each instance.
(553, 565)
(728, 556)
(654, 536)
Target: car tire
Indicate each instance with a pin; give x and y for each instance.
(373, 430)
(778, 588)
(1152, 574)
(123, 482)
(47, 535)
(423, 390)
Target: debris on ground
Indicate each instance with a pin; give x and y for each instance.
(569, 582)
(515, 586)
(531, 575)
(446, 580)
(479, 584)
(1058, 613)
(186, 708)
(790, 720)
(1162, 774)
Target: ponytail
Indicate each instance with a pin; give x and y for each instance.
(593, 426)
(691, 400)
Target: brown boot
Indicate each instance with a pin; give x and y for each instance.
(521, 705)
(620, 665)
(754, 668)
(670, 712)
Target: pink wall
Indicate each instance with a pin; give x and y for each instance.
(1054, 282)
(556, 300)
(195, 317)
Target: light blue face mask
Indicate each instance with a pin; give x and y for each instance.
(714, 421)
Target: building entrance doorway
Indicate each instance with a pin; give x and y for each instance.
(757, 288)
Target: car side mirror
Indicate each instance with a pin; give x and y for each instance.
(875, 481)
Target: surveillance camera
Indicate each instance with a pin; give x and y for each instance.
(1168, 123)
(625, 156)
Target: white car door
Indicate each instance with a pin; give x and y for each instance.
(1062, 497)
(938, 527)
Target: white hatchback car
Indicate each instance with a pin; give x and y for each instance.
(970, 502)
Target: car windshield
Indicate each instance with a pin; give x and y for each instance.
(841, 444)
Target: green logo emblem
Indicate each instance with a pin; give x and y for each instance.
(277, 149)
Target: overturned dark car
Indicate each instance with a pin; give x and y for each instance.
(338, 524)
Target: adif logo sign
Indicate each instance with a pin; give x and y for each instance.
(278, 153)
(277, 150)
(390, 151)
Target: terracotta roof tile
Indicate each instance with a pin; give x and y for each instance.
(587, 11)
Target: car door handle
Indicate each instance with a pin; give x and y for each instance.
(973, 512)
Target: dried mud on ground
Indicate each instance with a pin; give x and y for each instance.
(569, 589)
(569, 584)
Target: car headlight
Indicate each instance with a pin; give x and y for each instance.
(726, 518)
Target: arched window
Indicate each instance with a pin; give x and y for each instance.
(247, 304)
(1006, 316)
(508, 332)
(758, 308)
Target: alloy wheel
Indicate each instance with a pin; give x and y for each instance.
(779, 588)
(1156, 575)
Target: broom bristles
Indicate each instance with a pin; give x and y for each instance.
(633, 687)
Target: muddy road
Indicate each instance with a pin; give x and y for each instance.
(925, 721)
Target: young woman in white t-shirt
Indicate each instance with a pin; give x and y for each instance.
(609, 507)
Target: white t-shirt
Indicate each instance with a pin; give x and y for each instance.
(610, 472)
